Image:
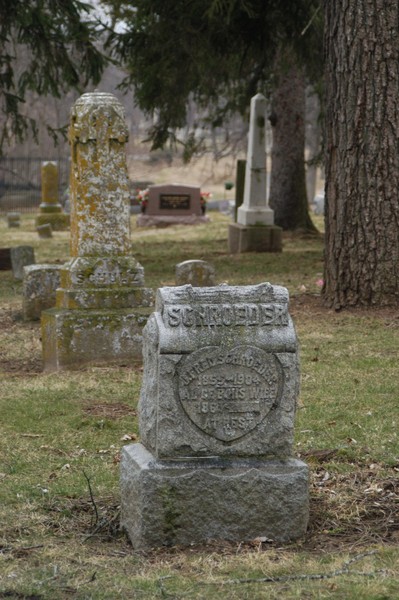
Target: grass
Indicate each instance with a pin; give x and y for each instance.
(61, 435)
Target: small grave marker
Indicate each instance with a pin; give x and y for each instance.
(171, 205)
(198, 273)
(50, 209)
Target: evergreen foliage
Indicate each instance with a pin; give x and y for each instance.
(217, 52)
(48, 47)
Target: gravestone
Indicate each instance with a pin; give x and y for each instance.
(216, 419)
(38, 290)
(5, 259)
(198, 273)
(255, 230)
(44, 231)
(102, 304)
(14, 219)
(172, 204)
(50, 209)
(21, 256)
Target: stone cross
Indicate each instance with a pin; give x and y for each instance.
(99, 185)
(255, 209)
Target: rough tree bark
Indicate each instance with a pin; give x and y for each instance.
(362, 152)
(288, 196)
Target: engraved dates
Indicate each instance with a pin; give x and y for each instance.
(227, 393)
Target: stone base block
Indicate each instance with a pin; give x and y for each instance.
(74, 338)
(165, 221)
(253, 238)
(184, 502)
(59, 221)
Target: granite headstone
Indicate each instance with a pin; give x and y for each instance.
(216, 418)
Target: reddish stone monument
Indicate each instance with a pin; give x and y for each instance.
(172, 204)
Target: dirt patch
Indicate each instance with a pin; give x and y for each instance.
(21, 367)
(312, 305)
(109, 411)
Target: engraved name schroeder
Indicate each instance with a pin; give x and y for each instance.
(226, 315)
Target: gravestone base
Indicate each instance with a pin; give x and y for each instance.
(254, 238)
(190, 501)
(165, 221)
(74, 338)
(59, 221)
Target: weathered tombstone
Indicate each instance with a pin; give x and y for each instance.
(172, 204)
(13, 219)
(38, 290)
(21, 256)
(255, 230)
(5, 259)
(198, 273)
(216, 418)
(50, 208)
(102, 304)
(44, 231)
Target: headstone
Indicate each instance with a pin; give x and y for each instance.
(44, 231)
(216, 418)
(50, 208)
(5, 259)
(102, 304)
(13, 219)
(21, 256)
(172, 204)
(240, 183)
(198, 273)
(318, 204)
(38, 291)
(255, 230)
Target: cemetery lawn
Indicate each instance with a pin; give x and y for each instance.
(61, 435)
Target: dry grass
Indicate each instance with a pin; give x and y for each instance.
(62, 434)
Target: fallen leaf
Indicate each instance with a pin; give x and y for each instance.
(128, 437)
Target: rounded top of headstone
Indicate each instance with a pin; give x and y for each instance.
(97, 98)
(98, 115)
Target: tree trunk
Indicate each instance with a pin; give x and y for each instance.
(287, 182)
(362, 162)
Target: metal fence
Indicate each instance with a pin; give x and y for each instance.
(20, 183)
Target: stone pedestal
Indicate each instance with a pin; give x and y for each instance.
(101, 304)
(181, 502)
(253, 238)
(50, 209)
(216, 416)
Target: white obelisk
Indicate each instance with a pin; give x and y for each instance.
(255, 209)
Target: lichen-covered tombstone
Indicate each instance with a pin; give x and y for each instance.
(102, 304)
(50, 209)
(216, 418)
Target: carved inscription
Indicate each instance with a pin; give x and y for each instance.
(226, 315)
(227, 393)
(174, 201)
(104, 275)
